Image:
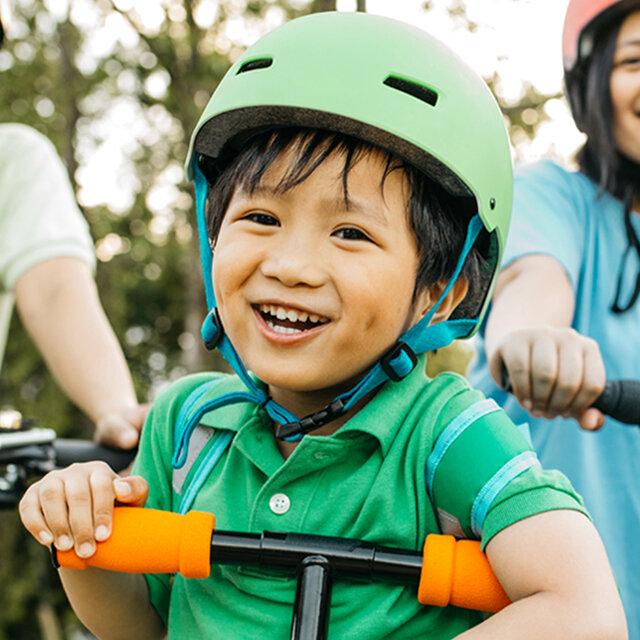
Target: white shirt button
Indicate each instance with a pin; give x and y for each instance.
(279, 503)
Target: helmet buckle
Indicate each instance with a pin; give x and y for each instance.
(311, 422)
(211, 330)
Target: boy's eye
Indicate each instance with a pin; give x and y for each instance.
(262, 218)
(349, 233)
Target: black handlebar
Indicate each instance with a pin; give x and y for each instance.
(621, 401)
(28, 453)
(67, 452)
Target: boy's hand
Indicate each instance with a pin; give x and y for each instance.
(553, 371)
(73, 507)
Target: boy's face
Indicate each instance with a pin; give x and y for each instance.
(311, 293)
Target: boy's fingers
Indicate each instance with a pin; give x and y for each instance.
(32, 518)
(132, 490)
(544, 371)
(103, 495)
(80, 505)
(52, 500)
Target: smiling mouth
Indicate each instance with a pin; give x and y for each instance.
(287, 320)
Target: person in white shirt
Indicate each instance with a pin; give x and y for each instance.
(46, 264)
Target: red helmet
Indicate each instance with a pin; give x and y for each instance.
(582, 21)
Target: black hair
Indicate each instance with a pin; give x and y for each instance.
(438, 220)
(599, 158)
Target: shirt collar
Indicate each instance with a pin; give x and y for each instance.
(380, 418)
(385, 413)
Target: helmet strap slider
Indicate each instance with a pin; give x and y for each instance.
(399, 361)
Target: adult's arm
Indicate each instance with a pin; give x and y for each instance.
(553, 369)
(58, 304)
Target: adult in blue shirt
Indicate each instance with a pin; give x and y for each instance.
(565, 313)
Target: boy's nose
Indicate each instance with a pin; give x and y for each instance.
(294, 263)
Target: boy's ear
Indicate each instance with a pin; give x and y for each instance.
(430, 296)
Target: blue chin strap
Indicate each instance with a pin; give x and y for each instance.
(394, 365)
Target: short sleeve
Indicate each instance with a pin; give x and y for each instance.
(153, 463)
(39, 217)
(483, 475)
(548, 217)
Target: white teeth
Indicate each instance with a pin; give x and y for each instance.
(279, 329)
(282, 313)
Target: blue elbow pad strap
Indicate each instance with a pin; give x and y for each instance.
(496, 484)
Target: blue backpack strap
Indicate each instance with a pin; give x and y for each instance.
(190, 440)
(223, 439)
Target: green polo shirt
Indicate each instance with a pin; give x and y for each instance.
(366, 481)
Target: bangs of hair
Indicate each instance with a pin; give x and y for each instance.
(308, 149)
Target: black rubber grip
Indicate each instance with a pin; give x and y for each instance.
(621, 401)
(69, 451)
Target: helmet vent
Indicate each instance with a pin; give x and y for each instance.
(253, 65)
(413, 89)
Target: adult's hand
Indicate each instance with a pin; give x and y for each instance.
(121, 429)
(553, 371)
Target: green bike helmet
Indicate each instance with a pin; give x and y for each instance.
(390, 85)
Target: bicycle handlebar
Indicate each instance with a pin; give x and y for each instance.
(151, 541)
(68, 451)
(621, 401)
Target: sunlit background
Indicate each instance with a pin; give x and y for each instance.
(517, 42)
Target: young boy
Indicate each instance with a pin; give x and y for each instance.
(344, 159)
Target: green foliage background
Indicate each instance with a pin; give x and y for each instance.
(55, 79)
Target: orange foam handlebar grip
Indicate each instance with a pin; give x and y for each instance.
(456, 572)
(152, 541)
